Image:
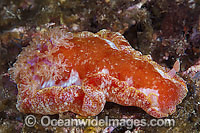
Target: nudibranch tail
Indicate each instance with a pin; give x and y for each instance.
(62, 71)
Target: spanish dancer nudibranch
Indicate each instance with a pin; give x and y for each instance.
(62, 71)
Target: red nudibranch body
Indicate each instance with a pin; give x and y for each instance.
(62, 71)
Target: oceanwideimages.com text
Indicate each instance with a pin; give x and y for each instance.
(46, 121)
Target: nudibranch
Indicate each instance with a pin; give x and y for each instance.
(62, 71)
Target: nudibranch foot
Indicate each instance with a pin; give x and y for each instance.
(62, 71)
